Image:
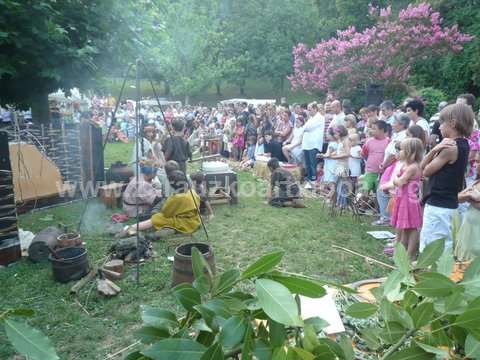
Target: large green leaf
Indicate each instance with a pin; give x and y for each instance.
(324, 352)
(302, 353)
(371, 337)
(201, 325)
(277, 302)
(361, 310)
(278, 334)
(226, 281)
(422, 314)
(392, 332)
(262, 350)
(401, 259)
(310, 340)
(411, 353)
(214, 352)
(248, 343)
(150, 334)
(200, 264)
(175, 349)
(187, 295)
(219, 307)
(279, 353)
(233, 331)
(29, 341)
(300, 285)
(207, 314)
(440, 353)
(391, 312)
(469, 320)
(434, 285)
(317, 323)
(263, 265)
(431, 254)
(347, 348)
(391, 287)
(334, 347)
(473, 270)
(137, 355)
(158, 318)
(472, 347)
(445, 263)
(202, 284)
(471, 279)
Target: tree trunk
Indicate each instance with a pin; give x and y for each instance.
(167, 88)
(187, 99)
(282, 83)
(40, 109)
(242, 90)
(219, 92)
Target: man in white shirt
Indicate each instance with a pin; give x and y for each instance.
(312, 141)
(338, 114)
(414, 110)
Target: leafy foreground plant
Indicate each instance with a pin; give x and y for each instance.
(425, 315)
(26, 340)
(223, 322)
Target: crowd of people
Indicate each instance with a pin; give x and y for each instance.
(419, 174)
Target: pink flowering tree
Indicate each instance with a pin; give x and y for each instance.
(382, 54)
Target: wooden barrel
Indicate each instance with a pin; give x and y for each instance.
(182, 262)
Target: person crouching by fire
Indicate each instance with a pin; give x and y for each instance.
(148, 197)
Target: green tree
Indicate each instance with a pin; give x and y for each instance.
(455, 73)
(48, 44)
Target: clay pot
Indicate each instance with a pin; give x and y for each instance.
(69, 240)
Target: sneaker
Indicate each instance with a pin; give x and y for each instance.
(389, 250)
(381, 222)
(308, 186)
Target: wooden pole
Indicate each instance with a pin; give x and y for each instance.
(364, 256)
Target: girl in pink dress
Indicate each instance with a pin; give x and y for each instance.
(407, 211)
(238, 141)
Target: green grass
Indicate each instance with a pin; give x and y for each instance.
(118, 152)
(239, 234)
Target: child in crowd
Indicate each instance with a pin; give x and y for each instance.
(351, 124)
(272, 148)
(283, 191)
(372, 118)
(292, 149)
(374, 151)
(340, 135)
(406, 210)
(445, 167)
(415, 131)
(329, 164)
(249, 154)
(238, 141)
(176, 147)
(362, 123)
(198, 180)
(355, 159)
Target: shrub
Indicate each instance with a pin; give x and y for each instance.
(431, 98)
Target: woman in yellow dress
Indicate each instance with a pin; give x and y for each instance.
(179, 212)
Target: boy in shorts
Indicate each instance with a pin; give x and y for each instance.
(374, 152)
